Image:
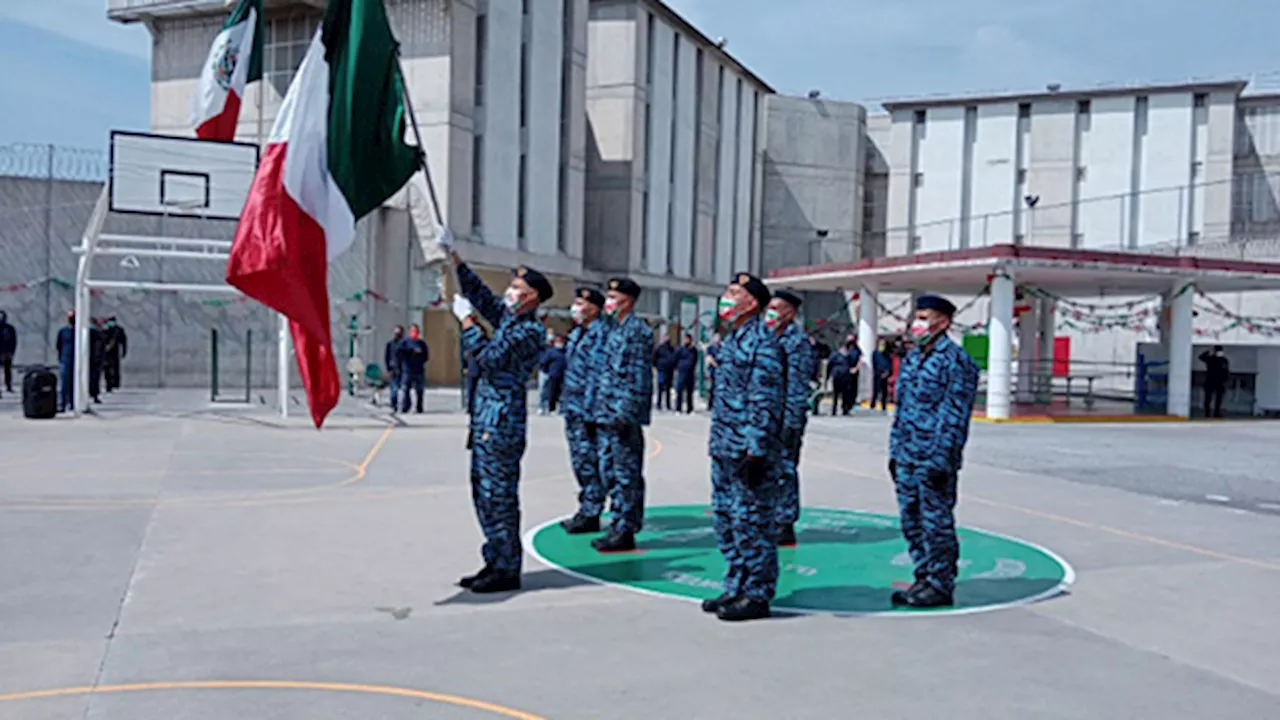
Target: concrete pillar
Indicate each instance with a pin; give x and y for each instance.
(1000, 338)
(1181, 344)
(868, 335)
(1027, 348)
(1046, 323)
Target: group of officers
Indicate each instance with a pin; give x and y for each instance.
(759, 411)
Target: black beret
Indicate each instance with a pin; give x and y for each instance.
(937, 303)
(789, 297)
(754, 286)
(537, 281)
(626, 286)
(591, 295)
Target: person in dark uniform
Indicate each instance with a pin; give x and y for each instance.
(841, 369)
(713, 351)
(66, 345)
(117, 348)
(97, 353)
(581, 379)
(1217, 371)
(411, 359)
(798, 356)
(881, 371)
(686, 373)
(498, 431)
(552, 366)
(8, 348)
(937, 385)
(745, 446)
(664, 361)
(391, 361)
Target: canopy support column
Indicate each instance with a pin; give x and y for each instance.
(1181, 305)
(999, 354)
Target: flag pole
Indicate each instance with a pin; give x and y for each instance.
(433, 199)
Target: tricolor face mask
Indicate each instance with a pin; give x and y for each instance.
(512, 299)
(578, 312)
(611, 308)
(772, 318)
(728, 309)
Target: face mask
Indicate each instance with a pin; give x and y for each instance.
(920, 329)
(728, 309)
(579, 314)
(512, 299)
(771, 318)
(611, 307)
(413, 334)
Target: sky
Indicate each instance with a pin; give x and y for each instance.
(68, 75)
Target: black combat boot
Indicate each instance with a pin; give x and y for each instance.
(899, 597)
(743, 609)
(581, 524)
(496, 582)
(787, 536)
(469, 580)
(615, 541)
(927, 596)
(714, 604)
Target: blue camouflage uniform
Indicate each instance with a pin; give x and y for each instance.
(746, 422)
(619, 404)
(581, 371)
(800, 361)
(936, 390)
(499, 417)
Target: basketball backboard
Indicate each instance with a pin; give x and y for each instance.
(168, 175)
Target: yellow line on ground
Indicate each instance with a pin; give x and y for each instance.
(277, 685)
(657, 448)
(363, 467)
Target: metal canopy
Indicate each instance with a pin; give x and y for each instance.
(1061, 271)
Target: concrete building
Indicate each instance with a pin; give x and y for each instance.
(815, 159)
(673, 157)
(498, 89)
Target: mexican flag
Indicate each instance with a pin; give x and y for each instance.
(234, 61)
(336, 153)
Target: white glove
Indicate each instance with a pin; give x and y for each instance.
(462, 308)
(444, 238)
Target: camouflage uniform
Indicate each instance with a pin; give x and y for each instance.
(579, 377)
(936, 391)
(619, 402)
(800, 360)
(499, 418)
(746, 421)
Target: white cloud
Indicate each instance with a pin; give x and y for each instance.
(84, 21)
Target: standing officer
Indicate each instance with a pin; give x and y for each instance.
(499, 420)
(580, 374)
(780, 317)
(66, 345)
(97, 353)
(620, 409)
(881, 371)
(664, 361)
(391, 360)
(937, 385)
(713, 352)
(686, 373)
(746, 424)
(1217, 371)
(552, 365)
(840, 367)
(411, 360)
(8, 348)
(117, 347)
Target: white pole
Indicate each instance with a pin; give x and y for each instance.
(868, 336)
(1181, 312)
(282, 369)
(1000, 336)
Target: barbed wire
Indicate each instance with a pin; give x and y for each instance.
(56, 162)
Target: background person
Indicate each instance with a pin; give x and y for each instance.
(411, 359)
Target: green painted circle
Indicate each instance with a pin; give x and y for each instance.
(846, 562)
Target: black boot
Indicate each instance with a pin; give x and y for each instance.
(581, 524)
(496, 582)
(615, 541)
(927, 596)
(743, 609)
(787, 536)
(469, 580)
(714, 604)
(899, 597)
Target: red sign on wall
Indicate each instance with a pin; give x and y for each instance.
(1061, 356)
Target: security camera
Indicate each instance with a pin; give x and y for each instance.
(1031, 200)
(814, 94)
(721, 42)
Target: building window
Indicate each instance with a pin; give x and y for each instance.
(482, 51)
(566, 127)
(918, 180)
(1022, 176)
(671, 164)
(1200, 100)
(1083, 107)
(522, 192)
(477, 182)
(920, 117)
(1024, 111)
(524, 66)
(285, 45)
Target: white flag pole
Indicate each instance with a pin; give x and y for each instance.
(282, 322)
